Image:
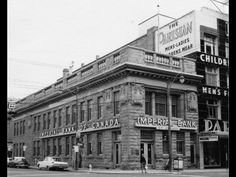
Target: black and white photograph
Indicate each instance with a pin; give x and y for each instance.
(118, 88)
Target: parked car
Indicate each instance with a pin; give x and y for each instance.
(19, 162)
(52, 163)
(9, 159)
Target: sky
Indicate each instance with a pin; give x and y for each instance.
(46, 36)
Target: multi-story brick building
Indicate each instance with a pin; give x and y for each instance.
(122, 111)
(203, 36)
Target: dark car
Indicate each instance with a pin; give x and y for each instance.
(19, 162)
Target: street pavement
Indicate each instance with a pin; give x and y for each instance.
(85, 172)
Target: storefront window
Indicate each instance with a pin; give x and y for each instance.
(211, 154)
(165, 144)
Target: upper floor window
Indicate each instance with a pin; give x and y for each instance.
(213, 109)
(160, 104)
(212, 76)
(116, 103)
(73, 113)
(49, 120)
(210, 44)
(44, 121)
(54, 118)
(59, 117)
(39, 121)
(82, 111)
(99, 106)
(35, 123)
(226, 50)
(89, 109)
(148, 103)
(67, 115)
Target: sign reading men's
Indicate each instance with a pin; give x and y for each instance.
(177, 38)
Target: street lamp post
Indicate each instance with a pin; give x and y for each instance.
(169, 113)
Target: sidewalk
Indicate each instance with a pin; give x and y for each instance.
(150, 171)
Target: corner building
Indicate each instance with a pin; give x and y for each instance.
(122, 111)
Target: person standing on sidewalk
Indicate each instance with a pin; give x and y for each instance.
(143, 163)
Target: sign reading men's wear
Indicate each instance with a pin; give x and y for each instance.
(177, 38)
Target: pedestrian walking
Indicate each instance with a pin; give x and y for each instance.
(143, 163)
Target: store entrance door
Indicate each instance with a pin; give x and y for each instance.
(147, 150)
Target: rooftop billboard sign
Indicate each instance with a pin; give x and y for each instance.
(178, 37)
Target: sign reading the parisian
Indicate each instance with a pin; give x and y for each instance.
(206, 58)
(215, 91)
(162, 123)
(177, 38)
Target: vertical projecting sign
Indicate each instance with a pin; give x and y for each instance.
(178, 37)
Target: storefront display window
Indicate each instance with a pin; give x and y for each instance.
(211, 154)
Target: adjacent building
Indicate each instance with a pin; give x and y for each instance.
(204, 36)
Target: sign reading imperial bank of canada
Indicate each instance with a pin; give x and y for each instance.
(178, 37)
(162, 123)
(85, 127)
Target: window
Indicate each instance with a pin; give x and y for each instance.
(54, 118)
(59, 117)
(82, 110)
(49, 120)
(148, 103)
(67, 115)
(165, 144)
(210, 44)
(23, 126)
(34, 148)
(89, 108)
(226, 50)
(89, 144)
(73, 113)
(48, 147)
(72, 142)
(14, 129)
(116, 103)
(67, 145)
(38, 148)
(35, 123)
(160, 104)
(99, 143)
(99, 106)
(44, 121)
(180, 142)
(54, 146)
(212, 76)
(227, 79)
(59, 146)
(213, 109)
(175, 105)
(227, 28)
(17, 128)
(38, 123)
(20, 127)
